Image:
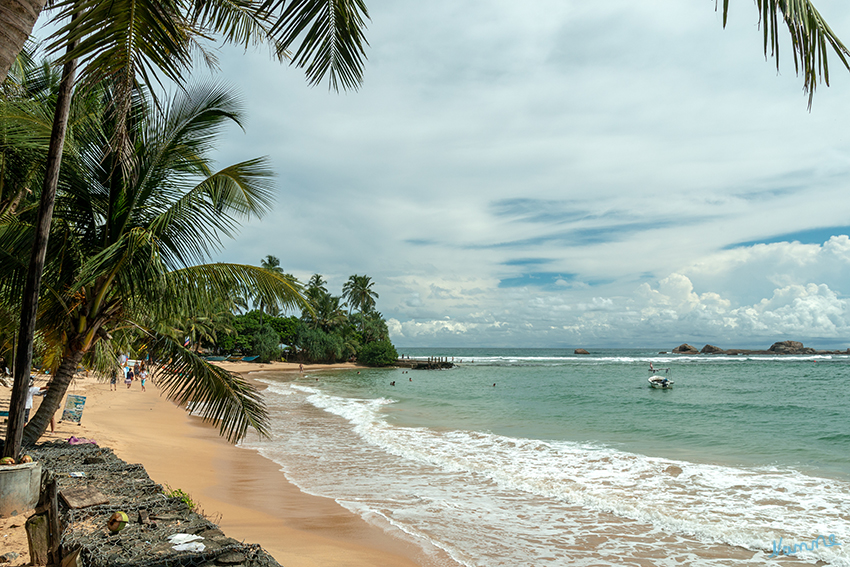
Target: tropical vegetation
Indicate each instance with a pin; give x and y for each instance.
(379, 353)
(127, 43)
(325, 332)
(129, 238)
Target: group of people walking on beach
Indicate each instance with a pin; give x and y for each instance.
(138, 371)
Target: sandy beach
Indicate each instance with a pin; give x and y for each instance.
(243, 492)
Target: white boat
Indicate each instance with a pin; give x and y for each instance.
(660, 378)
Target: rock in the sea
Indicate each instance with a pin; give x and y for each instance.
(790, 347)
(580, 351)
(786, 346)
(711, 349)
(685, 349)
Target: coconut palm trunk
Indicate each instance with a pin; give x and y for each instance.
(53, 397)
(29, 304)
(17, 18)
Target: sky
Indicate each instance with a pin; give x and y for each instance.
(562, 174)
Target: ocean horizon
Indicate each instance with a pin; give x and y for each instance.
(544, 457)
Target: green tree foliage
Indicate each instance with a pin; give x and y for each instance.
(318, 346)
(266, 344)
(246, 326)
(371, 327)
(324, 333)
(378, 353)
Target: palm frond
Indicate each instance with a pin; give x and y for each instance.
(811, 38)
(238, 21)
(124, 37)
(209, 391)
(206, 283)
(332, 38)
(192, 226)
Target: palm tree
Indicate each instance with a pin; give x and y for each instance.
(126, 245)
(328, 314)
(358, 293)
(323, 310)
(316, 288)
(126, 41)
(272, 264)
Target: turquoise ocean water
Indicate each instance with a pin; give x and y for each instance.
(574, 460)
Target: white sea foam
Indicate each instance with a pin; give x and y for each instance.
(539, 502)
(641, 359)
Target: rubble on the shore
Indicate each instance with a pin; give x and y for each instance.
(153, 516)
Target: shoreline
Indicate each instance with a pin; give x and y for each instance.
(246, 494)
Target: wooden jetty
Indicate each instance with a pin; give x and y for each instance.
(428, 364)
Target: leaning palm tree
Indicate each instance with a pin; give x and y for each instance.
(126, 245)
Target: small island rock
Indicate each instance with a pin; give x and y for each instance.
(685, 349)
(790, 347)
(580, 351)
(711, 349)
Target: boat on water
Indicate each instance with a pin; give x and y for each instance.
(660, 378)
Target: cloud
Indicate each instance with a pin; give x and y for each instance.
(748, 274)
(665, 312)
(561, 172)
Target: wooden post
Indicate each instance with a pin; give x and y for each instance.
(55, 534)
(37, 538)
(44, 530)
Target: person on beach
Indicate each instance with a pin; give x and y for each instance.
(113, 380)
(128, 378)
(32, 391)
(143, 375)
(301, 368)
